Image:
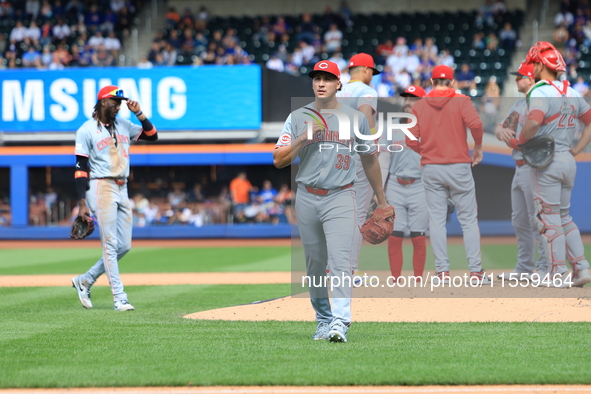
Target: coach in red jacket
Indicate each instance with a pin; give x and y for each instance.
(442, 119)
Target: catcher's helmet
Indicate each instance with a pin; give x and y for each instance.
(545, 53)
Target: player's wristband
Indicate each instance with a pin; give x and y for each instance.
(139, 113)
(522, 140)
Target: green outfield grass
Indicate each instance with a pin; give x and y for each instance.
(236, 259)
(48, 340)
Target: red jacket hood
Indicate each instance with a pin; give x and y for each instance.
(438, 98)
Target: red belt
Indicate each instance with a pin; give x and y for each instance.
(324, 192)
(118, 181)
(406, 181)
(520, 163)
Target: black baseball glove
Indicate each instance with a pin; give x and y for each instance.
(82, 227)
(538, 152)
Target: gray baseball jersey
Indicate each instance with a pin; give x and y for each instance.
(558, 108)
(326, 161)
(521, 108)
(108, 159)
(107, 198)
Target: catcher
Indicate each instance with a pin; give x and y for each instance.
(522, 200)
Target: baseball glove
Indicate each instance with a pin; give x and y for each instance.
(379, 226)
(538, 152)
(511, 121)
(82, 227)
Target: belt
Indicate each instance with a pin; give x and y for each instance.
(118, 181)
(520, 163)
(406, 181)
(324, 192)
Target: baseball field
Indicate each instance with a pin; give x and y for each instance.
(48, 340)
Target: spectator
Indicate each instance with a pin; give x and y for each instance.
(485, 14)
(240, 188)
(417, 46)
(61, 30)
(412, 63)
(478, 41)
(430, 48)
(401, 47)
(465, 78)
(508, 37)
(74, 9)
(490, 105)
(281, 27)
(31, 58)
(159, 60)
(268, 193)
(34, 33)
(499, 10)
(46, 56)
(144, 63)
(93, 18)
(153, 52)
(45, 38)
(75, 56)
(581, 86)
(345, 13)
(561, 37)
(96, 40)
(565, 18)
(6, 10)
(61, 57)
(386, 49)
(196, 194)
(332, 39)
(306, 29)
(200, 43)
(117, 5)
(187, 46)
(173, 18)
(124, 19)
(32, 8)
(230, 40)
(113, 45)
(169, 55)
(18, 33)
(175, 40)
(274, 63)
(202, 14)
(446, 58)
(402, 80)
(187, 19)
(337, 58)
(102, 57)
(492, 42)
(177, 197)
(108, 21)
(152, 213)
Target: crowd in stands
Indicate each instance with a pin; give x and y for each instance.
(55, 34)
(572, 37)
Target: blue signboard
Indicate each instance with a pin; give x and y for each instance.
(174, 98)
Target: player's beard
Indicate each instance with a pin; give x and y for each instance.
(110, 115)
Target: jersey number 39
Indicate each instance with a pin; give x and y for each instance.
(343, 162)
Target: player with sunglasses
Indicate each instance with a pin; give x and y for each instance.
(102, 143)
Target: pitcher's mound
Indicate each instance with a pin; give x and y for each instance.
(416, 310)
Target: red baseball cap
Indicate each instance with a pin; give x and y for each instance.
(326, 66)
(442, 72)
(112, 92)
(525, 70)
(414, 91)
(363, 60)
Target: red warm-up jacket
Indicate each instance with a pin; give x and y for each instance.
(442, 119)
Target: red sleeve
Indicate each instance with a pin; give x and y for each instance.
(472, 121)
(416, 131)
(537, 115)
(586, 117)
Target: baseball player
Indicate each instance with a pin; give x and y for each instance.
(554, 108)
(358, 95)
(406, 193)
(325, 200)
(522, 201)
(442, 119)
(103, 144)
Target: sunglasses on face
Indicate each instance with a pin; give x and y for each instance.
(118, 93)
(520, 77)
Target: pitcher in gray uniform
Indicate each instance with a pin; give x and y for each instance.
(103, 144)
(554, 108)
(522, 201)
(406, 193)
(325, 199)
(358, 95)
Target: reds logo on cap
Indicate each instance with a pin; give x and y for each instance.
(323, 65)
(411, 89)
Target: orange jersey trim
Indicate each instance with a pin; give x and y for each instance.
(81, 174)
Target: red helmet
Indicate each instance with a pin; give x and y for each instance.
(545, 53)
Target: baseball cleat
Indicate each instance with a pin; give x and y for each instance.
(321, 331)
(123, 306)
(83, 291)
(582, 278)
(514, 275)
(337, 332)
(441, 278)
(482, 278)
